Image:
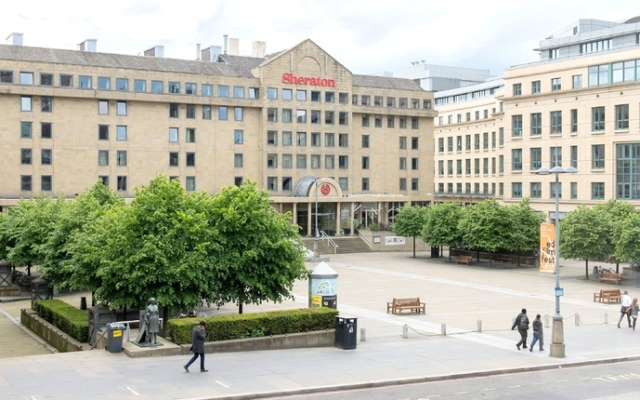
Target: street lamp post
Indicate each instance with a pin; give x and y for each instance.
(557, 348)
(316, 235)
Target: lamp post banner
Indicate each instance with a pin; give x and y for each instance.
(547, 247)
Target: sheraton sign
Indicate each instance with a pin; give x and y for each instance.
(306, 80)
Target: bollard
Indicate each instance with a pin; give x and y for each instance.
(606, 318)
(479, 325)
(443, 329)
(577, 319)
(546, 321)
(405, 331)
(363, 335)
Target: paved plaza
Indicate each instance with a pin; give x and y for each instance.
(456, 295)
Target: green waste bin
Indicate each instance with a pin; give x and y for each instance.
(346, 333)
(115, 331)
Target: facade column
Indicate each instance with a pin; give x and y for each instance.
(352, 218)
(280, 208)
(379, 213)
(294, 217)
(338, 219)
(309, 218)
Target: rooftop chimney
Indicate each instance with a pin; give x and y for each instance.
(197, 51)
(226, 43)
(234, 46)
(259, 49)
(89, 45)
(155, 51)
(14, 39)
(211, 53)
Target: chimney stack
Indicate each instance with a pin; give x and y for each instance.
(155, 51)
(234, 46)
(89, 45)
(198, 51)
(211, 53)
(259, 49)
(226, 43)
(14, 39)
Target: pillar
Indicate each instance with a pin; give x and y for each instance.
(309, 218)
(352, 218)
(338, 219)
(379, 213)
(294, 217)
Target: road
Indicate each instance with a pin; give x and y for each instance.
(605, 381)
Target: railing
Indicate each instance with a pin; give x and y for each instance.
(365, 238)
(128, 327)
(330, 241)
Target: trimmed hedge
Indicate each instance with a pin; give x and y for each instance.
(241, 326)
(70, 320)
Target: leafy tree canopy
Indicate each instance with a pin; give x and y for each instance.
(486, 226)
(441, 228)
(524, 233)
(584, 234)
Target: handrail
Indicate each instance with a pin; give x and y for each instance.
(364, 237)
(330, 241)
(128, 327)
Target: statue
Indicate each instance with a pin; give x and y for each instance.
(152, 322)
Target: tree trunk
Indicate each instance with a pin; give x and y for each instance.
(28, 269)
(586, 268)
(414, 247)
(93, 298)
(617, 266)
(478, 257)
(239, 307)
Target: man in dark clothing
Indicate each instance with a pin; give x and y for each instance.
(198, 336)
(537, 333)
(522, 323)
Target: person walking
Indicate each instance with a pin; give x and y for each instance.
(625, 302)
(522, 323)
(537, 333)
(198, 336)
(634, 312)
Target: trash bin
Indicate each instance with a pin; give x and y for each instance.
(435, 252)
(346, 333)
(114, 337)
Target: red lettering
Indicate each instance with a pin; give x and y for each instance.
(300, 80)
(313, 82)
(305, 80)
(285, 78)
(332, 83)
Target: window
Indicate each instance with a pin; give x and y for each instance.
(121, 133)
(46, 130)
(556, 84)
(121, 158)
(536, 190)
(501, 164)
(315, 139)
(535, 87)
(622, 116)
(272, 138)
(287, 161)
(343, 140)
(450, 167)
(237, 180)
(574, 190)
(238, 161)
(344, 184)
(157, 87)
(301, 116)
(516, 190)
(122, 184)
(272, 93)
(414, 122)
(467, 166)
(223, 91)
(365, 120)
(173, 135)
(238, 113)
(191, 159)
(597, 119)
(365, 162)
(476, 140)
(174, 110)
(485, 140)
(190, 184)
(459, 143)
(403, 164)
(46, 104)
(287, 94)
(536, 158)
(84, 82)
(329, 140)
(329, 117)
(301, 95)
(576, 82)
(493, 165)
(477, 115)
(403, 143)
(402, 122)
(173, 159)
(402, 184)
(516, 125)
(315, 117)
(139, 85)
(377, 101)
(206, 112)
(415, 184)
(191, 111)
(574, 121)
(501, 137)
(66, 80)
(329, 162)
(238, 92)
(365, 141)
(238, 137)
(467, 142)
(46, 79)
(190, 135)
(272, 161)
(46, 183)
(556, 122)
(414, 143)
(414, 165)
(207, 90)
(556, 157)
(378, 121)
(46, 157)
(25, 183)
(517, 89)
(26, 78)
(272, 114)
(25, 156)
(121, 108)
(301, 161)
(26, 103)
(343, 118)
(103, 107)
(597, 156)
(597, 190)
(287, 138)
(329, 97)
(287, 115)
(574, 156)
(287, 182)
(555, 190)
(343, 162)
(104, 83)
(223, 113)
(440, 166)
(301, 138)
(365, 184)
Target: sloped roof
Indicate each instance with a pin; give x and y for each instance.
(385, 82)
(108, 60)
(241, 61)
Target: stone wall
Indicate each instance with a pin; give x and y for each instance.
(52, 335)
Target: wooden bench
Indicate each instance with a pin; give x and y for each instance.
(505, 258)
(610, 277)
(607, 295)
(464, 259)
(413, 304)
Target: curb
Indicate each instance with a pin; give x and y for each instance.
(414, 380)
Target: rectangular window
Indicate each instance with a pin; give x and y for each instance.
(365, 141)
(476, 166)
(467, 166)
(536, 190)
(377, 101)
(329, 162)
(556, 84)
(414, 165)
(254, 93)
(191, 111)
(121, 108)
(46, 183)
(301, 139)
(190, 184)
(272, 114)
(272, 93)
(190, 135)
(46, 79)
(26, 104)
(287, 115)
(315, 96)
(287, 138)
(501, 164)
(536, 158)
(574, 156)
(85, 82)
(556, 122)
(576, 82)
(414, 143)
(25, 183)
(414, 123)
(343, 98)
(402, 122)
(378, 121)
(223, 113)
(46, 130)
(25, 156)
(476, 141)
(122, 84)
(343, 140)
(206, 112)
(238, 137)
(301, 161)
(344, 184)
(157, 87)
(191, 159)
(517, 89)
(315, 139)
(174, 110)
(121, 133)
(555, 190)
(516, 125)
(574, 190)
(122, 184)
(493, 140)
(535, 87)
(556, 157)
(238, 114)
(121, 158)
(223, 91)
(329, 117)
(485, 140)
(287, 183)
(301, 95)
(272, 138)
(301, 116)
(329, 140)
(477, 115)
(622, 116)
(287, 161)
(104, 83)
(459, 143)
(415, 184)
(493, 165)
(516, 190)
(329, 97)
(26, 78)
(402, 184)
(46, 156)
(597, 156)
(597, 190)
(574, 121)
(173, 159)
(597, 119)
(365, 184)
(365, 120)
(403, 143)
(103, 107)
(501, 137)
(467, 142)
(66, 80)
(315, 117)
(343, 162)
(343, 118)
(403, 164)
(272, 161)
(46, 104)
(440, 166)
(516, 156)
(173, 135)
(207, 90)
(139, 85)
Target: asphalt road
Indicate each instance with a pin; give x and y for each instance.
(604, 381)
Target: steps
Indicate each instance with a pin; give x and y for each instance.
(346, 245)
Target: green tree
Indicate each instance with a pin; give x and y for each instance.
(617, 213)
(4, 237)
(410, 221)
(441, 227)
(263, 254)
(486, 226)
(584, 234)
(524, 233)
(627, 247)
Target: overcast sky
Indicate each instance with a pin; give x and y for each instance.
(365, 36)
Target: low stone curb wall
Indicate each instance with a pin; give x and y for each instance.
(49, 333)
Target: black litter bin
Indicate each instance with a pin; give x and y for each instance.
(346, 333)
(114, 337)
(435, 252)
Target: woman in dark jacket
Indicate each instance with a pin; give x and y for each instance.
(198, 337)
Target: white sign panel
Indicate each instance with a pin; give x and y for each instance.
(394, 241)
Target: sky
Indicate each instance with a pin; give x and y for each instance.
(367, 37)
